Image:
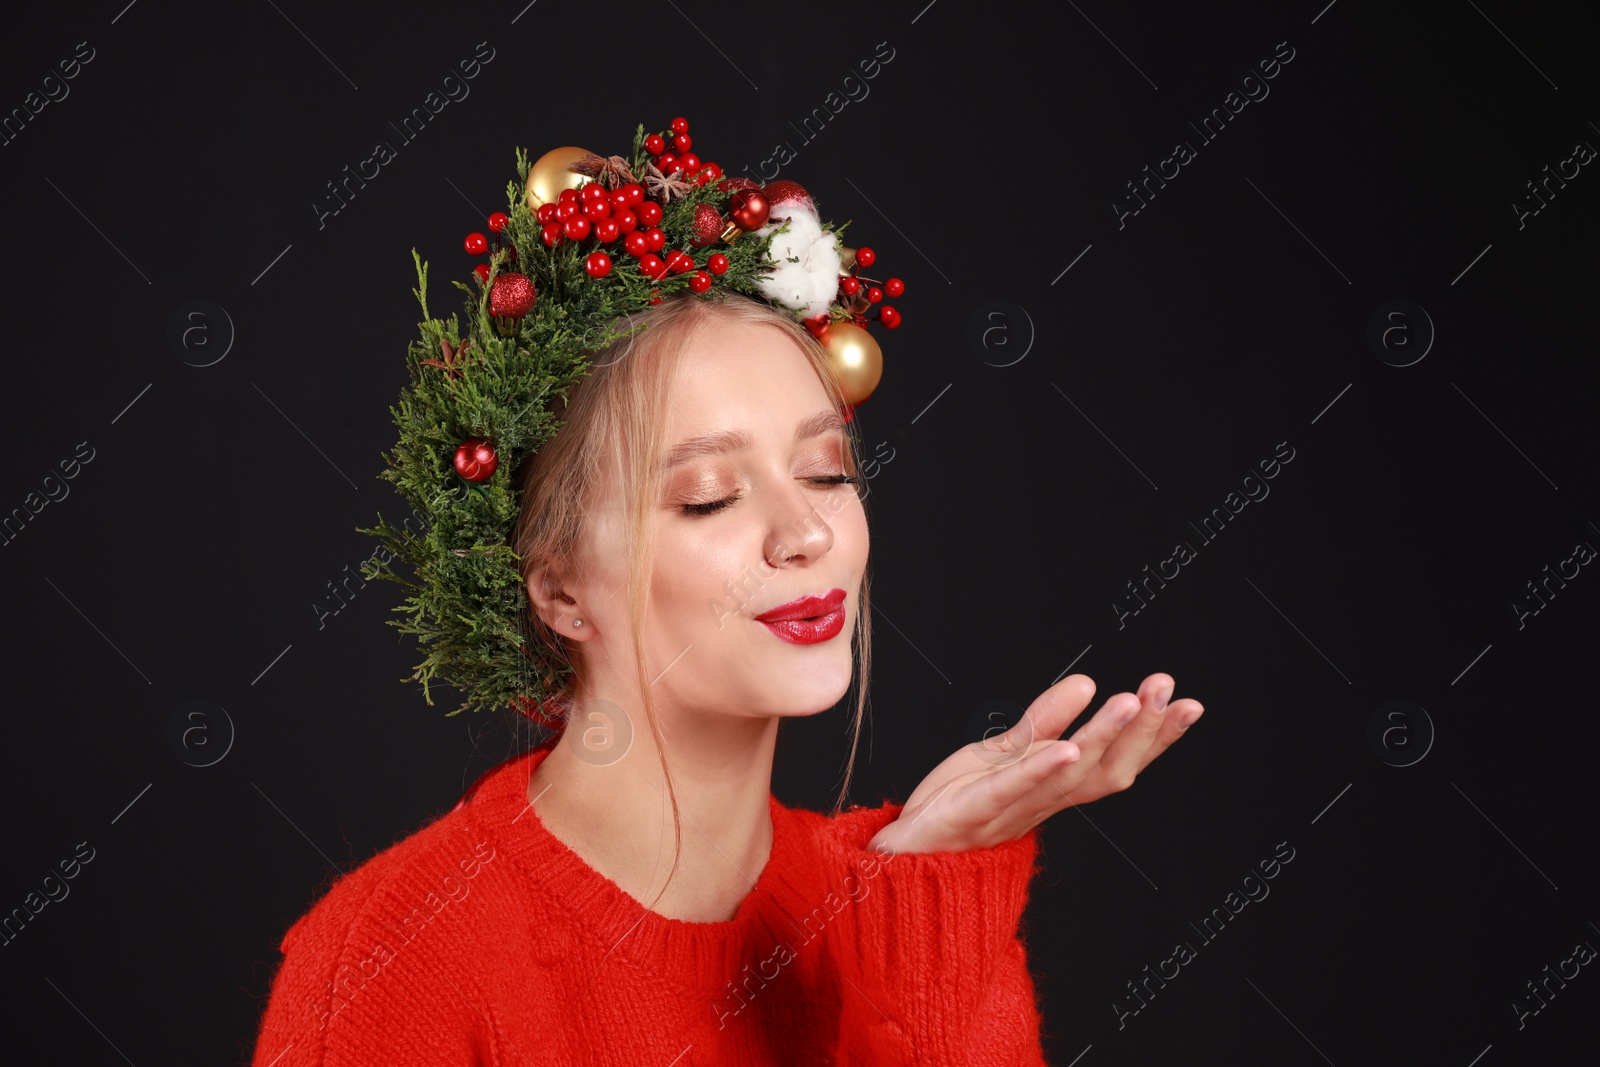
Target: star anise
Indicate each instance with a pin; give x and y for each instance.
(454, 358)
(613, 171)
(663, 188)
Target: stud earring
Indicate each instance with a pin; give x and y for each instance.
(577, 622)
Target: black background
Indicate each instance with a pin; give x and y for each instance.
(1228, 316)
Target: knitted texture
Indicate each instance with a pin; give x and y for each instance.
(483, 939)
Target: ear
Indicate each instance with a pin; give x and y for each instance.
(557, 610)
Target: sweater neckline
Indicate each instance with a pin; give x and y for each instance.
(693, 953)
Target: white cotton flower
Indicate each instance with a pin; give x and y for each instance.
(808, 284)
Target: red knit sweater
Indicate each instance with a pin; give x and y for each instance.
(483, 939)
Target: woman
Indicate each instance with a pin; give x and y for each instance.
(695, 541)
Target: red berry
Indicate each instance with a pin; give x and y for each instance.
(889, 317)
(894, 287)
(874, 294)
(649, 213)
(667, 163)
(850, 286)
(477, 244)
(681, 143)
(595, 210)
(700, 281)
(635, 193)
(565, 195)
(654, 144)
(717, 264)
(865, 257)
(651, 266)
(598, 264)
(689, 162)
(636, 243)
(617, 199)
(576, 228)
(656, 299)
(657, 239)
(482, 271)
(606, 231)
(566, 209)
(679, 261)
(592, 191)
(547, 213)
(703, 177)
(626, 219)
(552, 234)
(497, 221)
(712, 169)
(680, 125)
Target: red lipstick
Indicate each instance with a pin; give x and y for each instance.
(808, 620)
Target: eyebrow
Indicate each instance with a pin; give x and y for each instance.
(713, 444)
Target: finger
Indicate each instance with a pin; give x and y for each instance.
(1094, 736)
(1125, 757)
(1181, 715)
(995, 794)
(1051, 712)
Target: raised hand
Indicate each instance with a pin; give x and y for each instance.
(998, 789)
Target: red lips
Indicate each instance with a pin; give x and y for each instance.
(805, 608)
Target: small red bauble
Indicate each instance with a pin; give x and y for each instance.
(482, 271)
(511, 296)
(552, 234)
(865, 257)
(652, 266)
(654, 144)
(497, 221)
(681, 143)
(679, 261)
(477, 244)
(626, 219)
(717, 264)
(636, 244)
(707, 225)
(700, 281)
(547, 213)
(894, 287)
(607, 230)
(576, 228)
(849, 286)
(475, 460)
(680, 125)
(889, 317)
(874, 294)
(649, 213)
(657, 239)
(748, 208)
(598, 264)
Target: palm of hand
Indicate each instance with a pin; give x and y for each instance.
(998, 789)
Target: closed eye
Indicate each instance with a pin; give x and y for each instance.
(711, 507)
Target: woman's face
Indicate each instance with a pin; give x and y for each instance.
(754, 453)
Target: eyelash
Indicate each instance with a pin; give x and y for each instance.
(715, 506)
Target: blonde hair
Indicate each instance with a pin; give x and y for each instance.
(615, 417)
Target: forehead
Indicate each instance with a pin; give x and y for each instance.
(742, 375)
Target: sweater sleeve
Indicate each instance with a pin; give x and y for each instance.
(932, 969)
(351, 990)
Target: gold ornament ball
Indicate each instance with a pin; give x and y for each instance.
(856, 359)
(549, 175)
(847, 258)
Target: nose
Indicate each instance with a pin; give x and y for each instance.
(798, 530)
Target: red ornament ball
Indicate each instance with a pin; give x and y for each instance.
(748, 208)
(477, 244)
(498, 221)
(784, 191)
(511, 296)
(894, 287)
(654, 144)
(865, 257)
(652, 266)
(700, 281)
(889, 317)
(475, 460)
(707, 225)
(649, 213)
(599, 265)
(717, 264)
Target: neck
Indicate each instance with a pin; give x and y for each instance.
(616, 811)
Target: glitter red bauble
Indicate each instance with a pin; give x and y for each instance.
(511, 296)
(707, 226)
(734, 184)
(784, 192)
(475, 460)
